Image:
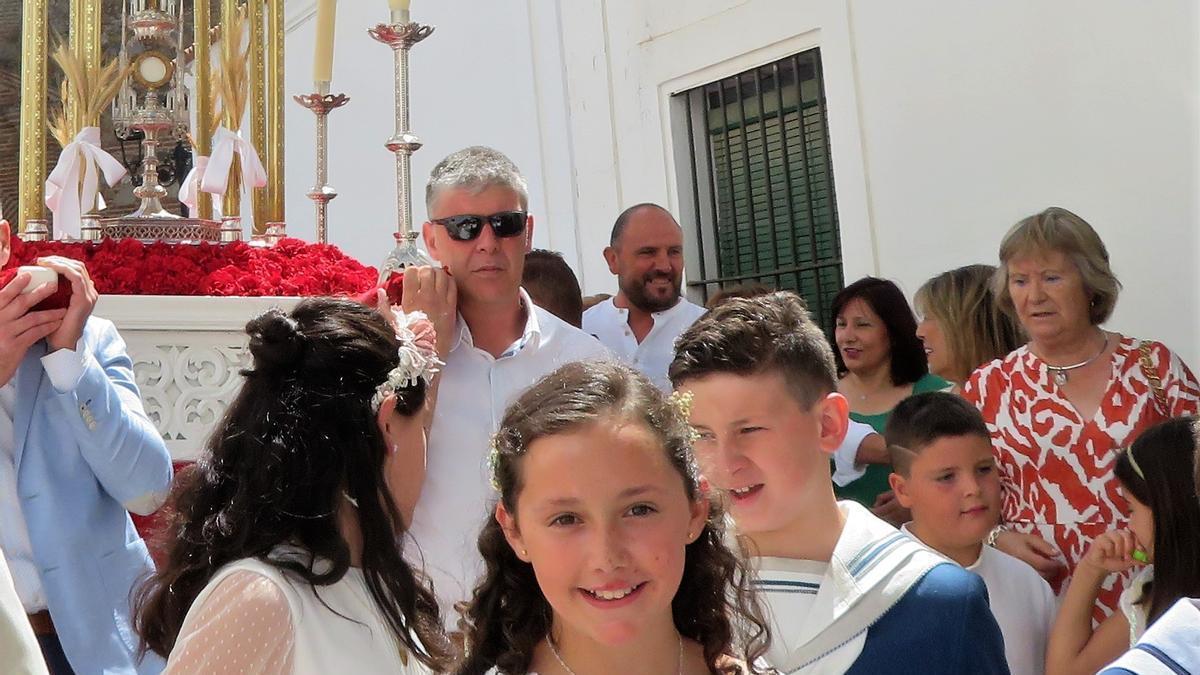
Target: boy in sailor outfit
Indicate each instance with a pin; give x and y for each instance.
(847, 593)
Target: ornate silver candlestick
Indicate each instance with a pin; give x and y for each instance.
(401, 37)
(321, 193)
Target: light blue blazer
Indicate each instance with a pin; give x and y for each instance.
(82, 459)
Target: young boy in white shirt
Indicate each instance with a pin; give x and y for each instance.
(945, 473)
(846, 592)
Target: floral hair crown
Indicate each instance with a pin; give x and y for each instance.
(509, 438)
(681, 403)
(418, 355)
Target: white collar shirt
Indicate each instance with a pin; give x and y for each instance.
(474, 392)
(653, 355)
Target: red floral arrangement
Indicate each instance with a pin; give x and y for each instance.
(130, 267)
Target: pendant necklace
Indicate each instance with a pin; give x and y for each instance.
(559, 658)
(1060, 373)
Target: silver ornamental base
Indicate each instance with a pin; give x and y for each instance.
(171, 230)
(36, 229)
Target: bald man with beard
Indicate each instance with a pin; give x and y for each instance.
(641, 322)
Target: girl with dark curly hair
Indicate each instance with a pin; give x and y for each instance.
(285, 552)
(604, 554)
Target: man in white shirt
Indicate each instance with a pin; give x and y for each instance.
(641, 323)
(495, 342)
(77, 452)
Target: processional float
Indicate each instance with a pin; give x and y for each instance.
(165, 89)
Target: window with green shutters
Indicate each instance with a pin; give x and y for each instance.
(758, 182)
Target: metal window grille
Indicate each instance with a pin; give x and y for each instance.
(758, 183)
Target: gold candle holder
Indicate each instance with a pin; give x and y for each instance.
(32, 163)
(231, 202)
(203, 94)
(276, 97)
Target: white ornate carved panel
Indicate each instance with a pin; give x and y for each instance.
(186, 353)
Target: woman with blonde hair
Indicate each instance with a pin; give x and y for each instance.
(961, 325)
(1060, 407)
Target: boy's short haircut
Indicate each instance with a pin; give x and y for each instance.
(771, 333)
(922, 419)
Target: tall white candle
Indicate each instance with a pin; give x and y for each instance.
(323, 49)
(399, 10)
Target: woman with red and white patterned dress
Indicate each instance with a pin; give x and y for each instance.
(1061, 406)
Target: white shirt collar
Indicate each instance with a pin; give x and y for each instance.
(531, 335)
(972, 566)
(680, 302)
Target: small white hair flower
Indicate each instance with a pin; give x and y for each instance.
(417, 352)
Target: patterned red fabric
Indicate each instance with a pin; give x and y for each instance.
(153, 527)
(1057, 468)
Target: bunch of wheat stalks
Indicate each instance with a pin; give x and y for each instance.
(230, 84)
(92, 89)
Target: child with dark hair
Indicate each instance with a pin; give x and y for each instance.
(604, 554)
(847, 593)
(945, 473)
(1172, 644)
(285, 554)
(1156, 478)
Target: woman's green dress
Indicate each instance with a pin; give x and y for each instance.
(875, 481)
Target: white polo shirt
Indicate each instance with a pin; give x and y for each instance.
(1021, 601)
(474, 392)
(610, 325)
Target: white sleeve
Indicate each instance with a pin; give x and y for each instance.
(845, 469)
(65, 367)
(243, 626)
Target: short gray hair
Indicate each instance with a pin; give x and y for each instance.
(1057, 229)
(476, 169)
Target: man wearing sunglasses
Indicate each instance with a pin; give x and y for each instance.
(494, 340)
(641, 323)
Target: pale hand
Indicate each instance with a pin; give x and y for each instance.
(432, 290)
(1111, 552)
(1040, 554)
(83, 301)
(20, 328)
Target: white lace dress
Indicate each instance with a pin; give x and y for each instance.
(253, 618)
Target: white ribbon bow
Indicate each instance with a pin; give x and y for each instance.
(191, 185)
(225, 143)
(65, 196)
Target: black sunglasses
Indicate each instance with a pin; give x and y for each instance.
(468, 227)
